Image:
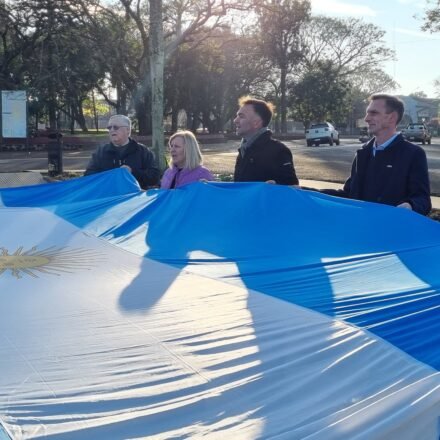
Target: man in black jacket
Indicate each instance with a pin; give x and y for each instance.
(124, 152)
(260, 158)
(388, 169)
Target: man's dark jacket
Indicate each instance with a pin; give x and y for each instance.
(137, 156)
(266, 159)
(395, 175)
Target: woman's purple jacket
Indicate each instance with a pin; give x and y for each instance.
(184, 176)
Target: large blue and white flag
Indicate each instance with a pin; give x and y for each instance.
(215, 310)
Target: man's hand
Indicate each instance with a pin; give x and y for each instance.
(126, 167)
(405, 205)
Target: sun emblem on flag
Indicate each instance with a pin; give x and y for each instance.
(51, 261)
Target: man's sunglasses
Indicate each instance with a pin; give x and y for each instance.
(115, 127)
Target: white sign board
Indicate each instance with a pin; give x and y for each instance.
(14, 114)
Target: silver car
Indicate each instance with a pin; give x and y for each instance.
(322, 133)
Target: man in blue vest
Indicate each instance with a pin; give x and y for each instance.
(388, 169)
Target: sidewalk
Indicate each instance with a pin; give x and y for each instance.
(321, 185)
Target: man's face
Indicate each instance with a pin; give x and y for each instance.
(377, 118)
(118, 131)
(247, 122)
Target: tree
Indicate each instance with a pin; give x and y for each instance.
(353, 49)
(350, 45)
(157, 65)
(372, 81)
(321, 95)
(418, 94)
(437, 87)
(216, 70)
(45, 49)
(121, 59)
(362, 85)
(201, 67)
(182, 20)
(13, 44)
(432, 17)
(280, 22)
(93, 108)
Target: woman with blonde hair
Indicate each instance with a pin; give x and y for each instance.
(186, 162)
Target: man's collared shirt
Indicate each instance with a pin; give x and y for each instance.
(384, 145)
(247, 142)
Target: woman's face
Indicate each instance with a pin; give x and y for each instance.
(177, 151)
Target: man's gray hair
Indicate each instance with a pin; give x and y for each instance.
(126, 120)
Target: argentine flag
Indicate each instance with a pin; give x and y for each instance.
(215, 311)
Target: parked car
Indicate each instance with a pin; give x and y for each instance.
(417, 133)
(322, 133)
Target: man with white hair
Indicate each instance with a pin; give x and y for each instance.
(124, 152)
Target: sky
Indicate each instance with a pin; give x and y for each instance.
(417, 62)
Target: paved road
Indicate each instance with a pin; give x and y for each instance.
(324, 163)
(334, 163)
(312, 163)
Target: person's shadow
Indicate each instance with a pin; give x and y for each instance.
(305, 248)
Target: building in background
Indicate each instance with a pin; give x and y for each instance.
(420, 110)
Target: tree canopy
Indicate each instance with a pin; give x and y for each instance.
(69, 54)
(321, 95)
(432, 16)
(280, 23)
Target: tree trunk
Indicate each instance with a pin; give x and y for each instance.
(95, 113)
(283, 105)
(71, 120)
(121, 101)
(143, 114)
(81, 119)
(157, 63)
(52, 114)
(174, 119)
(194, 122)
